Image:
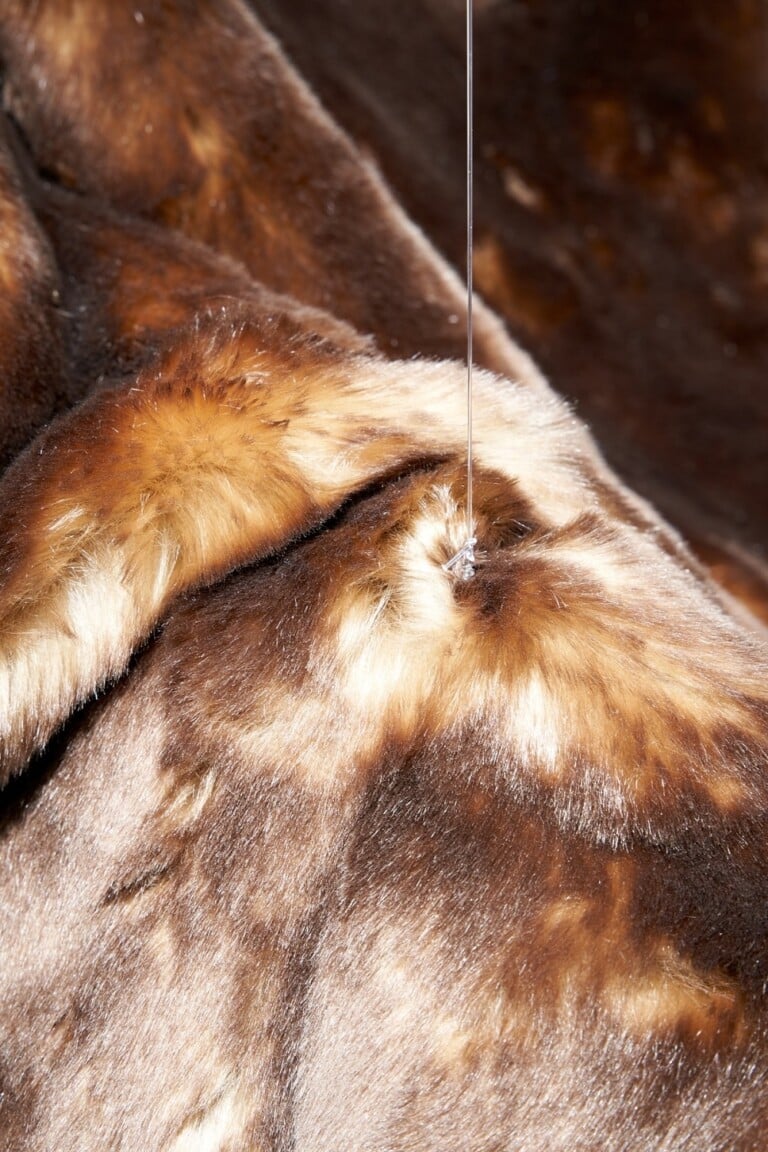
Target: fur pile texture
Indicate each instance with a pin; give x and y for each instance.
(305, 843)
(621, 216)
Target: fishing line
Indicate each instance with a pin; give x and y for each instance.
(463, 563)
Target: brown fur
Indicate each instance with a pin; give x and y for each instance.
(32, 361)
(306, 843)
(621, 216)
(268, 179)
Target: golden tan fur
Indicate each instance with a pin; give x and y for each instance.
(307, 844)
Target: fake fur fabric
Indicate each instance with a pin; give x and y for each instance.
(307, 844)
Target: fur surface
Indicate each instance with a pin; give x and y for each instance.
(306, 844)
(621, 216)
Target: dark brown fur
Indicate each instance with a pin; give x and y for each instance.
(305, 843)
